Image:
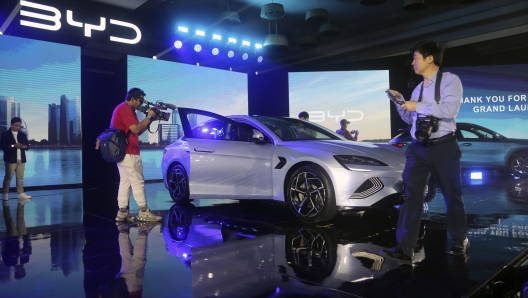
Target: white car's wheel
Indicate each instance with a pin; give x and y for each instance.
(178, 183)
(310, 194)
(519, 164)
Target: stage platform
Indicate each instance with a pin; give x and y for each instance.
(227, 248)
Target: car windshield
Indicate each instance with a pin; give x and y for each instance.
(290, 129)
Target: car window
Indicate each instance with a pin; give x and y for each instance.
(250, 127)
(204, 127)
(468, 134)
(289, 129)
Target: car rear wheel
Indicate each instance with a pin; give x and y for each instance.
(178, 183)
(519, 164)
(310, 194)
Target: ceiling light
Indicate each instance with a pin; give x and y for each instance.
(231, 40)
(413, 5)
(272, 11)
(178, 44)
(183, 29)
(217, 37)
(275, 45)
(230, 54)
(316, 15)
(215, 51)
(197, 48)
(260, 59)
(328, 29)
(258, 46)
(246, 43)
(229, 17)
(200, 33)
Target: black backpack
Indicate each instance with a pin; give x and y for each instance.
(112, 143)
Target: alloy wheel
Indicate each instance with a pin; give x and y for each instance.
(178, 184)
(307, 194)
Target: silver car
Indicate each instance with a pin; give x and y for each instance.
(313, 170)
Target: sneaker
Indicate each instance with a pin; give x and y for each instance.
(459, 247)
(24, 196)
(147, 226)
(148, 216)
(398, 255)
(5, 196)
(122, 227)
(125, 216)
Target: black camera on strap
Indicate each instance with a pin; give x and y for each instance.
(425, 125)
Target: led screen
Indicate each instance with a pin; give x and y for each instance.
(358, 96)
(495, 97)
(40, 83)
(190, 86)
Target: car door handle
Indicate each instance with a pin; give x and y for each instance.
(204, 150)
(467, 144)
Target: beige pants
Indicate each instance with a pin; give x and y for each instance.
(131, 176)
(10, 169)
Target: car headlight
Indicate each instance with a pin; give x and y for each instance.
(351, 161)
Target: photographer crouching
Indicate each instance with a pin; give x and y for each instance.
(432, 110)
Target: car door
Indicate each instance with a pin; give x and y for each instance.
(479, 147)
(224, 161)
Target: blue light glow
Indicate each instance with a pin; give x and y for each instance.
(230, 54)
(215, 51)
(197, 47)
(178, 44)
(260, 59)
(244, 56)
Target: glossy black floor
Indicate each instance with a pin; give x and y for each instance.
(50, 248)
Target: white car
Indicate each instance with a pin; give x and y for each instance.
(312, 169)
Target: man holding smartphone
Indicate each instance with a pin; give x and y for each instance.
(436, 152)
(14, 143)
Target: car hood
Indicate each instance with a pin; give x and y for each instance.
(517, 141)
(390, 157)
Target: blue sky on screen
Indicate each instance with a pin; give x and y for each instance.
(190, 86)
(358, 96)
(506, 87)
(37, 73)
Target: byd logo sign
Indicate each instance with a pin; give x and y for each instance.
(56, 20)
(350, 115)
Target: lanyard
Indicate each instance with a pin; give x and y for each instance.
(437, 88)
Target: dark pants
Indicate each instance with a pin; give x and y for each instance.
(443, 162)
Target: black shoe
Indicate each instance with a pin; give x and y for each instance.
(459, 247)
(398, 255)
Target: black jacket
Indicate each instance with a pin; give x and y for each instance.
(10, 153)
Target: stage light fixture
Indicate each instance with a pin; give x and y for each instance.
(197, 63)
(230, 69)
(258, 46)
(245, 56)
(154, 57)
(230, 54)
(231, 40)
(197, 48)
(200, 33)
(246, 43)
(215, 51)
(217, 37)
(260, 59)
(1, 33)
(256, 73)
(183, 29)
(178, 44)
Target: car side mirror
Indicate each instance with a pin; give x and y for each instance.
(258, 137)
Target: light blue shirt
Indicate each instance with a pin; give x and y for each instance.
(446, 110)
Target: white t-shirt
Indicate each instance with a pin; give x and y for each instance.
(19, 155)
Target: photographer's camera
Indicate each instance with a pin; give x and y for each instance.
(425, 125)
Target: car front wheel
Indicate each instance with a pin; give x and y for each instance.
(178, 183)
(519, 164)
(310, 194)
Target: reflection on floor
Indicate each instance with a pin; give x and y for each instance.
(231, 249)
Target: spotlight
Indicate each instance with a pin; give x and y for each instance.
(1, 33)
(197, 63)
(178, 44)
(197, 48)
(231, 40)
(246, 43)
(259, 59)
(215, 51)
(230, 54)
(230, 69)
(258, 46)
(154, 57)
(245, 56)
(200, 33)
(217, 37)
(256, 73)
(183, 29)
(476, 175)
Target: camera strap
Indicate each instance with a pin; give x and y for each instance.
(437, 88)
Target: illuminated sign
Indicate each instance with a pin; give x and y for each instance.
(55, 19)
(320, 116)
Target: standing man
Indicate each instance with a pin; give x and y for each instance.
(14, 143)
(439, 154)
(131, 167)
(344, 131)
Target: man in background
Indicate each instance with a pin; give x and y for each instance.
(14, 143)
(344, 131)
(304, 116)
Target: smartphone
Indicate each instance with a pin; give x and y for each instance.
(393, 97)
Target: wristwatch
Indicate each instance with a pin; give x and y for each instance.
(149, 117)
